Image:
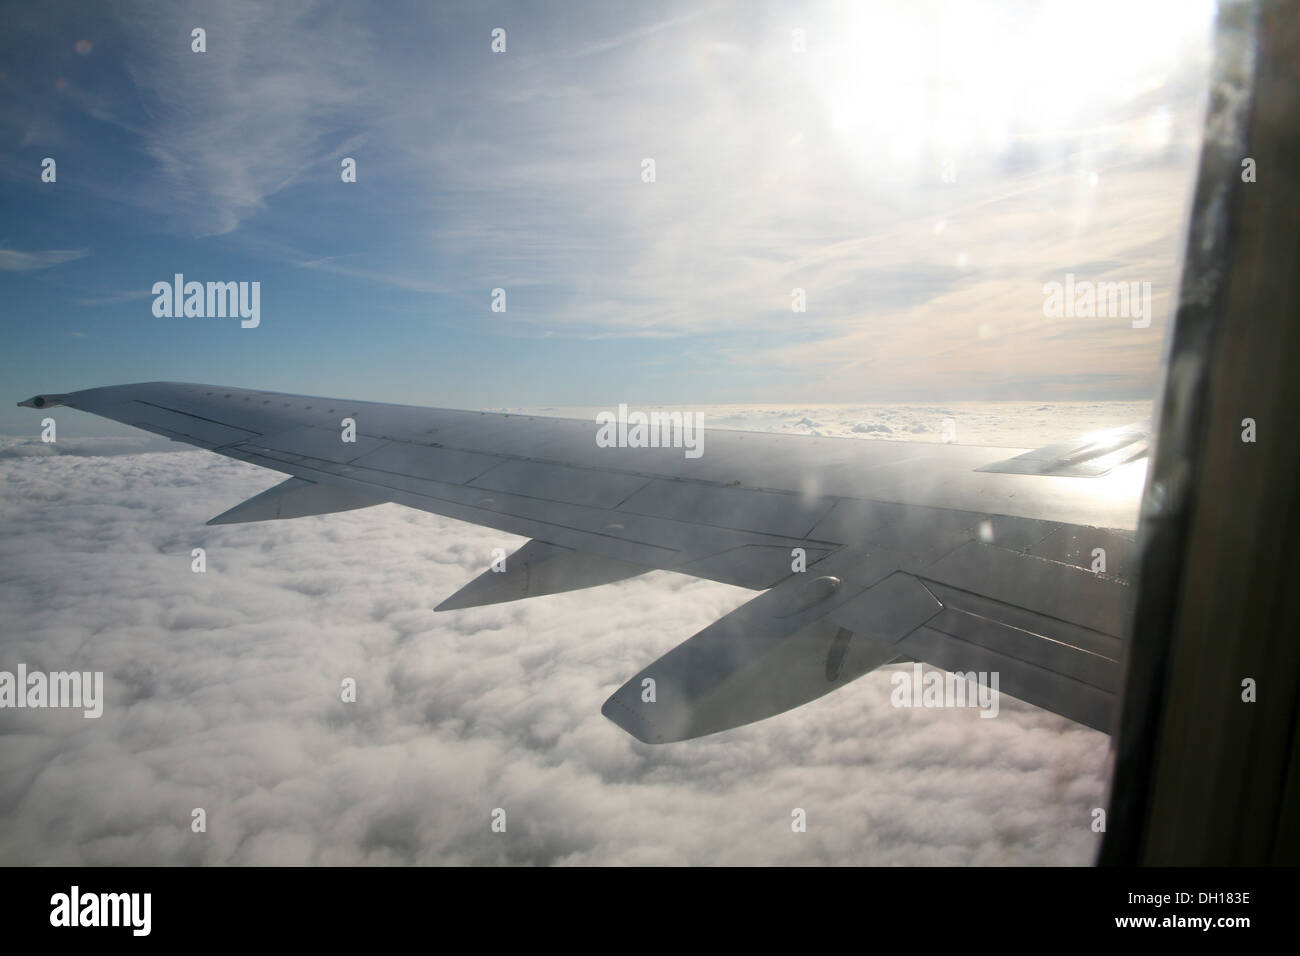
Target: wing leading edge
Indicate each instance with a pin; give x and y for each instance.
(912, 552)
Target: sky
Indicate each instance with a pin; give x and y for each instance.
(919, 170)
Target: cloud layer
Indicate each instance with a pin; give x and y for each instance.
(223, 692)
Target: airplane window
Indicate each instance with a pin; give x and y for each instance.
(795, 372)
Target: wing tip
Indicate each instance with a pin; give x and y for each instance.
(43, 401)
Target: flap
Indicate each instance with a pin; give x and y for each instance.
(294, 498)
(540, 568)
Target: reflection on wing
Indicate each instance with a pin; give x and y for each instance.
(1086, 457)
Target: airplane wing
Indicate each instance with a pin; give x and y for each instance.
(867, 552)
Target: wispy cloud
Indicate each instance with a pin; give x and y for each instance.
(15, 260)
(113, 298)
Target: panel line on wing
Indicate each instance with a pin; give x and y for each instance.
(1040, 686)
(1021, 618)
(1029, 648)
(211, 421)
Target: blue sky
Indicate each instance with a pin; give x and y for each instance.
(920, 169)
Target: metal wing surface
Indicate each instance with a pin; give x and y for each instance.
(967, 558)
